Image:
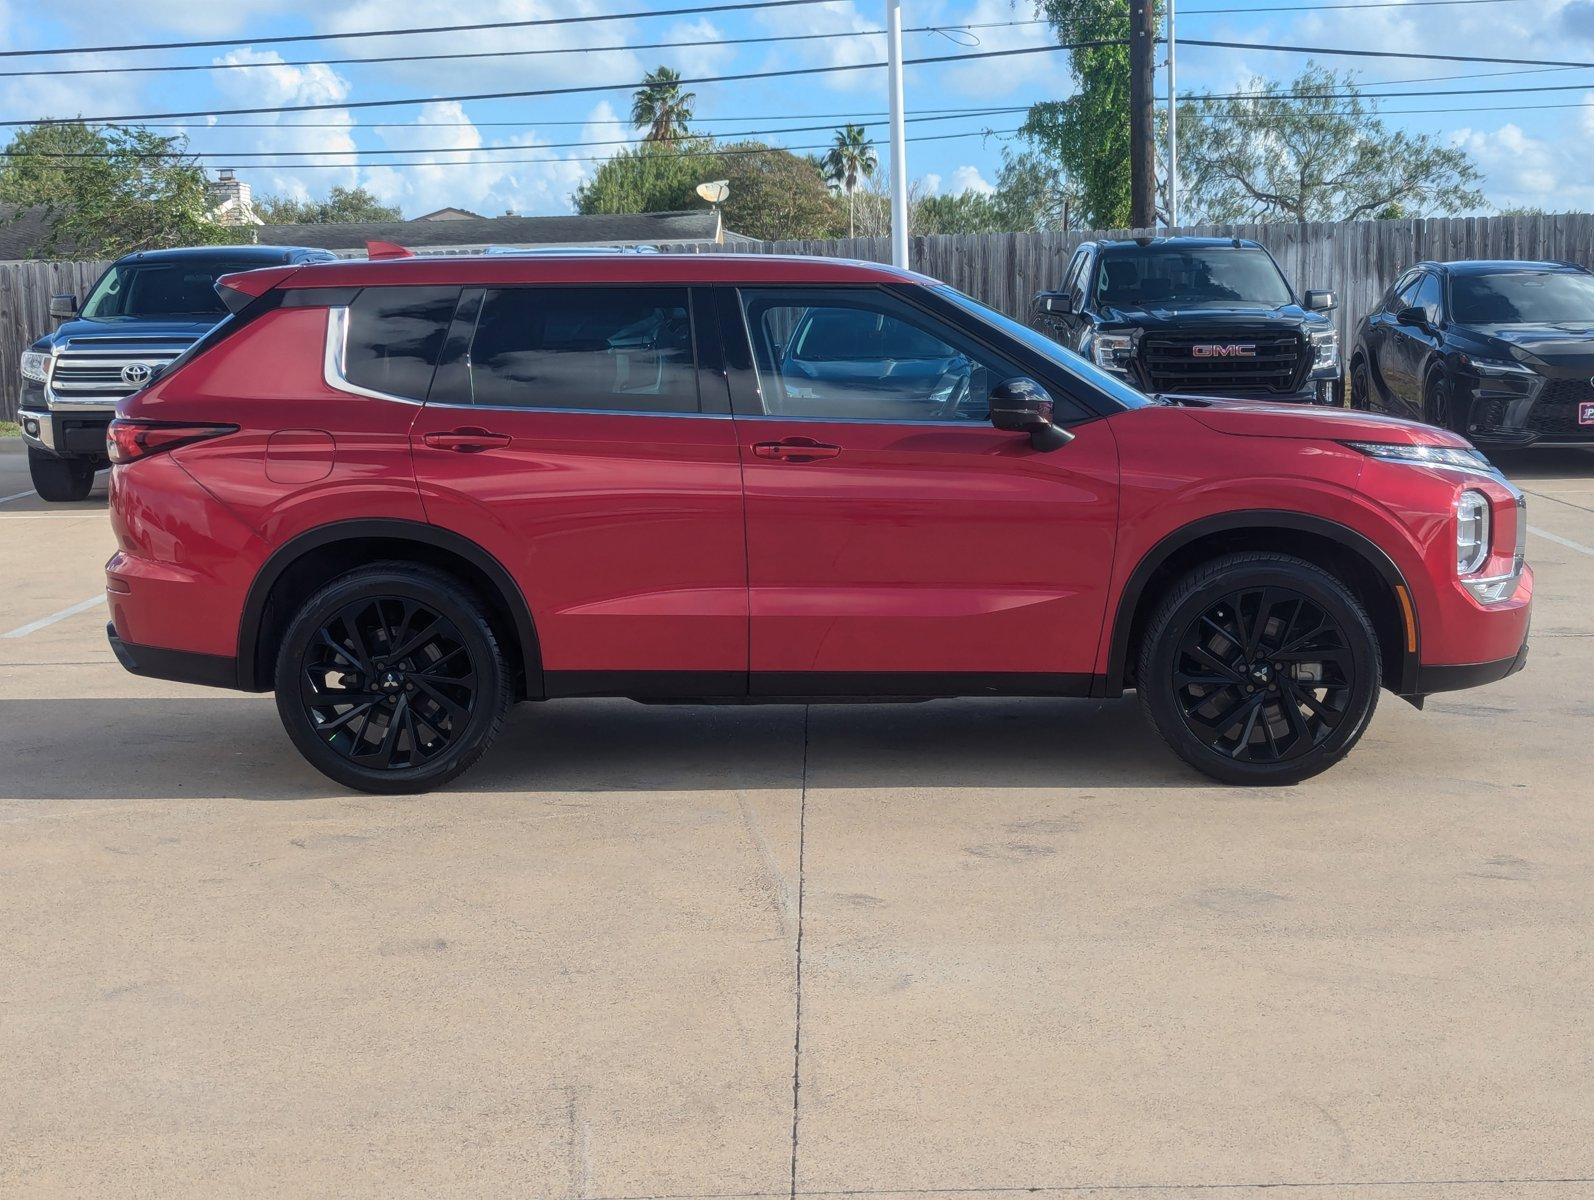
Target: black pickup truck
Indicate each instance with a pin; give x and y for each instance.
(1195, 316)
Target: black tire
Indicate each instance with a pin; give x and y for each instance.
(389, 679)
(1211, 724)
(61, 480)
(1361, 385)
(1439, 401)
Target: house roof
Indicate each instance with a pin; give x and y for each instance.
(699, 225)
(448, 214)
(25, 233)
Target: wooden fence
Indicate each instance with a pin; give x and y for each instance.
(1355, 260)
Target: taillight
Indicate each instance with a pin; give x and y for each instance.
(128, 441)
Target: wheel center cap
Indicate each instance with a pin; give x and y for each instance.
(1261, 672)
(391, 681)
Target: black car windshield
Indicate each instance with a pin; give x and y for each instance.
(1082, 369)
(1208, 276)
(1523, 298)
(160, 289)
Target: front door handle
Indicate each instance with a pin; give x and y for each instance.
(795, 450)
(466, 441)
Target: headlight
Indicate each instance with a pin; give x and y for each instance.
(1325, 350)
(36, 364)
(1112, 351)
(1472, 532)
(1496, 367)
(1426, 456)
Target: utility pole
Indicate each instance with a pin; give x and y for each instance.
(899, 137)
(1142, 134)
(1173, 123)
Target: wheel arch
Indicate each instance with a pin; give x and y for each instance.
(312, 558)
(1352, 557)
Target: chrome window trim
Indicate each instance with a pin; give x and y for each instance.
(332, 361)
(579, 412)
(986, 424)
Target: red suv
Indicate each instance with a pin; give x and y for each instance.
(407, 493)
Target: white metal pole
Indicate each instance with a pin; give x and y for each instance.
(899, 148)
(1173, 124)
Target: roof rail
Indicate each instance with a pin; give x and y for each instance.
(558, 250)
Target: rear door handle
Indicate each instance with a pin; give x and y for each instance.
(466, 441)
(795, 450)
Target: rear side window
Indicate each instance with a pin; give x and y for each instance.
(627, 349)
(395, 337)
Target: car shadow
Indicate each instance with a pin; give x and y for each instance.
(1571, 462)
(233, 747)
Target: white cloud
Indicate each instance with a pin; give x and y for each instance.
(930, 185)
(272, 83)
(988, 77)
(969, 179)
(1522, 170)
(842, 18)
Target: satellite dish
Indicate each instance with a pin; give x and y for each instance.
(715, 192)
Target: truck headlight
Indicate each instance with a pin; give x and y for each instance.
(36, 365)
(1112, 351)
(1325, 352)
(1472, 532)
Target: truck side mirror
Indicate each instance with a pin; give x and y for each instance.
(1021, 405)
(1321, 301)
(1056, 303)
(63, 307)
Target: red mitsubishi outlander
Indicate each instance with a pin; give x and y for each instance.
(407, 493)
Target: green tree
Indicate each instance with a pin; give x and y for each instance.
(850, 160)
(660, 107)
(1034, 193)
(649, 178)
(1314, 149)
(1088, 134)
(342, 205)
(110, 190)
(960, 212)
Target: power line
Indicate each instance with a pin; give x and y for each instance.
(1308, 9)
(853, 116)
(539, 22)
(241, 154)
(454, 55)
(575, 89)
(1275, 96)
(1337, 50)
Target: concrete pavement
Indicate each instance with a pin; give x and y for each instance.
(1035, 952)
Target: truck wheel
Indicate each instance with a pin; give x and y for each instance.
(61, 479)
(1259, 669)
(1327, 393)
(389, 679)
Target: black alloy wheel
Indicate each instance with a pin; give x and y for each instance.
(390, 680)
(1438, 401)
(1260, 668)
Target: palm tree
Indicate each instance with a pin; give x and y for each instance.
(661, 107)
(850, 161)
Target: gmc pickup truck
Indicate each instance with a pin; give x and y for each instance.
(142, 313)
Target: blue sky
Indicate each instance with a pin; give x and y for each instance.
(1530, 155)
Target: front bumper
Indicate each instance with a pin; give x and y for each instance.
(1531, 410)
(1455, 678)
(75, 434)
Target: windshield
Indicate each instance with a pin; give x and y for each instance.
(160, 289)
(1523, 298)
(1069, 362)
(1190, 278)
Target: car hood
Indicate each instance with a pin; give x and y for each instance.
(1554, 349)
(1247, 418)
(132, 328)
(1230, 316)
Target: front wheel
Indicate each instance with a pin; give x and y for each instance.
(60, 480)
(390, 679)
(1361, 386)
(1439, 401)
(1259, 669)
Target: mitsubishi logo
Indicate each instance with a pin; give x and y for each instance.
(136, 374)
(1231, 350)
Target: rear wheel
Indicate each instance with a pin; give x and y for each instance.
(390, 679)
(61, 479)
(1259, 669)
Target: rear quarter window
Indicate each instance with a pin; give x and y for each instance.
(395, 338)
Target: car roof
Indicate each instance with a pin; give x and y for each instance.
(1498, 266)
(1178, 243)
(463, 270)
(265, 256)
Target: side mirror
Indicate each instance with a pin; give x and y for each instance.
(1320, 301)
(1055, 303)
(1414, 316)
(63, 307)
(1024, 406)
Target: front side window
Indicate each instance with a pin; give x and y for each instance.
(395, 335)
(862, 356)
(626, 349)
(1524, 298)
(1212, 276)
(145, 290)
(1430, 298)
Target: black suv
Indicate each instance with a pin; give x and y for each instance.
(1201, 316)
(1502, 352)
(139, 316)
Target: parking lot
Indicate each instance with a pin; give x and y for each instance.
(972, 947)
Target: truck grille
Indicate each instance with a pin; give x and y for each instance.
(90, 371)
(1170, 362)
(1554, 412)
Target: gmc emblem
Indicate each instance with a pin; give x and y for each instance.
(1232, 350)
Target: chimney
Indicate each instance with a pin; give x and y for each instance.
(231, 201)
